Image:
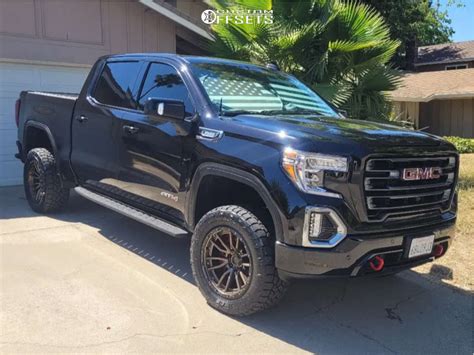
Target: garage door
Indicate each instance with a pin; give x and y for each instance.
(14, 78)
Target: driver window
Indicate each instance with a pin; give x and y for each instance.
(163, 81)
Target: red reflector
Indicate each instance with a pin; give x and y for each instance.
(17, 112)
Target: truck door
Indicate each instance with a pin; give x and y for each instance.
(96, 121)
(152, 164)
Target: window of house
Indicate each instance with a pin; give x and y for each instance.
(456, 66)
(163, 81)
(115, 84)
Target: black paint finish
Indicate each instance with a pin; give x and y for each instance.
(155, 163)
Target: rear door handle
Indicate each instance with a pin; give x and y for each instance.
(81, 118)
(130, 129)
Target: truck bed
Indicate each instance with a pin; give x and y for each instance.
(53, 110)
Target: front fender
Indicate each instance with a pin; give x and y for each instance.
(216, 169)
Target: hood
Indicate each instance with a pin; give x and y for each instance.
(301, 131)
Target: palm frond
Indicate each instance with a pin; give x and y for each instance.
(338, 47)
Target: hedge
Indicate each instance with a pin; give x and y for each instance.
(463, 145)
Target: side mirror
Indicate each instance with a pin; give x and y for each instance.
(165, 108)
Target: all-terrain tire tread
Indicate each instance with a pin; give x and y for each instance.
(273, 288)
(56, 196)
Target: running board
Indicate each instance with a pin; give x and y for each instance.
(133, 213)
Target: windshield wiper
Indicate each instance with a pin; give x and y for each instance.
(271, 112)
(303, 111)
(239, 112)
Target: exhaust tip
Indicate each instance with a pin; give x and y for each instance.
(438, 250)
(377, 263)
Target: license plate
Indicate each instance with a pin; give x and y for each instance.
(421, 246)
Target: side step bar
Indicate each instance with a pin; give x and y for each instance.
(133, 213)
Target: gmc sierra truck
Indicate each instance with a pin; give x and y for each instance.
(269, 180)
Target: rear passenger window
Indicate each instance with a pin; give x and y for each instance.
(115, 84)
(163, 81)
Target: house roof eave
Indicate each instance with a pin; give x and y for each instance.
(177, 17)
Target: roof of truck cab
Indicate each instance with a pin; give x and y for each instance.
(185, 58)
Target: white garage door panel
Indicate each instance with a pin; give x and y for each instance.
(14, 78)
(11, 172)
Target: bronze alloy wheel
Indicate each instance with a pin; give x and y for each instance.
(36, 182)
(226, 262)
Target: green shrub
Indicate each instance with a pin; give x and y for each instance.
(463, 145)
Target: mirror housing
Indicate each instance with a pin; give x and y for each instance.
(166, 108)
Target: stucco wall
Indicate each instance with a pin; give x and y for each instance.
(80, 31)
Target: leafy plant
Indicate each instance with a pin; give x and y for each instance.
(463, 145)
(340, 48)
(415, 23)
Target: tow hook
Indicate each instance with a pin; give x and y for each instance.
(377, 263)
(438, 250)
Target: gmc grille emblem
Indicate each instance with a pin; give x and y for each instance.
(421, 173)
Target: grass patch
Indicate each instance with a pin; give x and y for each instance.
(458, 261)
(466, 172)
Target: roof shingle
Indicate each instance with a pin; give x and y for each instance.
(446, 53)
(427, 86)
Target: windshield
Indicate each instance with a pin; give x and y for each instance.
(237, 89)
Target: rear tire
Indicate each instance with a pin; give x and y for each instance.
(233, 262)
(43, 188)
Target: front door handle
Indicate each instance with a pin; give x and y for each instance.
(81, 118)
(130, 129)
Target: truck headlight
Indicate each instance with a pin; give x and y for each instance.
(307, 170)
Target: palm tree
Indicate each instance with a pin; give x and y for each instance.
(340, 48)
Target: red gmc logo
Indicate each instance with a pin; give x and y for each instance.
(421, 174)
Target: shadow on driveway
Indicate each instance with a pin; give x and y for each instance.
(407, 313)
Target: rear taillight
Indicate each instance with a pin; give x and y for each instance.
(17, 112)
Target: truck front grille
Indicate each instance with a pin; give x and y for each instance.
(389, 194)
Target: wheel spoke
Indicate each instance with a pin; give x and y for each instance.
(218, 247)
(228, 280)
(37, 168)
(236, 243)
(246, 264)
(223, 244)
(223, 276)
(39, 196)
(243, 277)
(216, 258)
(224, 263)
(237, 281)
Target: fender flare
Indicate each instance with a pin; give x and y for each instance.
(240, 176)
(46, 130)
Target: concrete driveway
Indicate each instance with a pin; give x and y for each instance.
(90, 280)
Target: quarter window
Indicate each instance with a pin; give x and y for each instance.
(115, 84)
(163, 81)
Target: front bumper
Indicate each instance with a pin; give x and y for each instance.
(350, 257)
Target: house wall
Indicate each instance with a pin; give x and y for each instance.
(407, 112)
(448, 117)
(80, 31)
(438, 67)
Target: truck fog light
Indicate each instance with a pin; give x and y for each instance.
(315, 223)
(322, 228)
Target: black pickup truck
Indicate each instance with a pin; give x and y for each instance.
(268, 180)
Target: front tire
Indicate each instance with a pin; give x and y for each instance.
(43, 188)
(233, 262)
